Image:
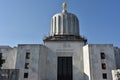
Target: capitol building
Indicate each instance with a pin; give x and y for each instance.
(64, 55)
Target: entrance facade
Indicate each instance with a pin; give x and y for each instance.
(64, 68)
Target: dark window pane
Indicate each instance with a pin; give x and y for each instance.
(104, 76)
(27, 55)
(103, 66)
(25, 75)
(26, 65)
(102, 55)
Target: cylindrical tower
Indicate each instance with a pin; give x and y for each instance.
(64, 26)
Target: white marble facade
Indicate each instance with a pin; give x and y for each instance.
(95, 66)
(9, 56)
(39, 61)
(67, 48)
(116, 74)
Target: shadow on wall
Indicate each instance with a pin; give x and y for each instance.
(79, 74)
(86, 77)
(9, 74)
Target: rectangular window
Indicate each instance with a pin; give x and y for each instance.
(104, 75)
(26, 65)
(27, 55)
(103, 66)
(102, 55)
(25, 75)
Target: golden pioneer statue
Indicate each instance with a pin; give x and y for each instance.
(64, 6)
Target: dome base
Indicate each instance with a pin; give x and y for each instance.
(65, 38)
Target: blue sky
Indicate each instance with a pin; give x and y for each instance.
(28, 21)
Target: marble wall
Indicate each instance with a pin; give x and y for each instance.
(73, 49)
(93, 62)
(9, 56)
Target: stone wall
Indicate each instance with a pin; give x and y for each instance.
(95, 67)
(72, 49)
(116, 74)
(117, 57)
(9, 56)
(9, 74)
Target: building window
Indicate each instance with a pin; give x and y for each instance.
(25, 75)
(102, 55)
(27, 55)
(104, 75)
(103, 66)
(26, 65)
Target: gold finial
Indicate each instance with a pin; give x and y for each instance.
(64, 6)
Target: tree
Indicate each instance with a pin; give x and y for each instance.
(1, 60)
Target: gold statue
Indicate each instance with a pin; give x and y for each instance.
(64, 6)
